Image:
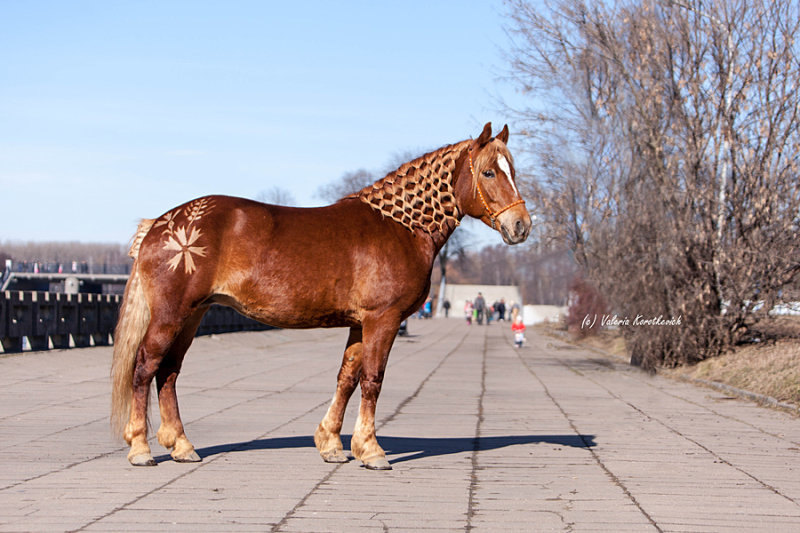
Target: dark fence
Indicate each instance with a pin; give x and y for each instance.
(54, 320)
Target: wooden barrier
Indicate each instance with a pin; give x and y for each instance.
(43, 320)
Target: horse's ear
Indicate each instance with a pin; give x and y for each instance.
(503, 135)
(486, 135)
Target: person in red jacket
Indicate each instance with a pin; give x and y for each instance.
(519, 331)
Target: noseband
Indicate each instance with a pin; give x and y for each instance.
(492, 214)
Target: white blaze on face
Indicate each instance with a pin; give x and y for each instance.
(502, 162)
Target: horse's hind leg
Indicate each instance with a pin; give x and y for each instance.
(157, 341)
(171, 433)
(328, 434)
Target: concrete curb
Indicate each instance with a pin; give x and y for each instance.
(760, 399)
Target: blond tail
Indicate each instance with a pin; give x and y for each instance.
(134, 317)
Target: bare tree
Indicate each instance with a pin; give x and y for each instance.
(453, 250)
(545, 275)
(353, 181)
(276, 195)
(667, 145)
(349, 183)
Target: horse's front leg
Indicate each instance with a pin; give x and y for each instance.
(328, 434)
(364, 444)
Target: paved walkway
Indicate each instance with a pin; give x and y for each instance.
(482, 437)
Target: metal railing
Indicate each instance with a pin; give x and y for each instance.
(43, 320)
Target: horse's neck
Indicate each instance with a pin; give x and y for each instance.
(420, 195)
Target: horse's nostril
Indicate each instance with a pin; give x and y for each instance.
(519, 227)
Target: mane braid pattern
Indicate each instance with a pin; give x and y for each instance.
(419, 194)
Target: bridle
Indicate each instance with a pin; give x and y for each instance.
(492, 214)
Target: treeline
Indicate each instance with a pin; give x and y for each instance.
(543, 275)
(68, 256)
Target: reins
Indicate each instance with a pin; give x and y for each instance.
(492, 214)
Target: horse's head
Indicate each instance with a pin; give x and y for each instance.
(495, 199)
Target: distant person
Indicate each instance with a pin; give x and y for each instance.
(480, 307)
(446, 307)
(427, 308)
(501, 310)
(514, 311)
(518, 328)
(468, 311)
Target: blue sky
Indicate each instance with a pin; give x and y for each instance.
(115, 111)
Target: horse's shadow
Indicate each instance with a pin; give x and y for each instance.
(406, 448)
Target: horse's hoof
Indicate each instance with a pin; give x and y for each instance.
(334, 456)
(142, 459)
(191, 457)
(377, 463)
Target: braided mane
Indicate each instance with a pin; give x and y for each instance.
(419, 194)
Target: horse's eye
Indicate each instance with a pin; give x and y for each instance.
(488, 173)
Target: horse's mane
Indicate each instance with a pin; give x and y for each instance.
(419, 194)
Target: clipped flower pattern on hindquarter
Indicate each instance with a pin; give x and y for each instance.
(183, 244)
(183, 240)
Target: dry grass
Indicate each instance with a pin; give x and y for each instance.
(610, 342)
(771, 369)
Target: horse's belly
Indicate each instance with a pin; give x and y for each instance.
(287, 310)
(303, 319)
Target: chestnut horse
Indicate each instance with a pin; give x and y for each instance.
(364, 263)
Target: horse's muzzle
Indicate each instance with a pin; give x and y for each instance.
(515, 225)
